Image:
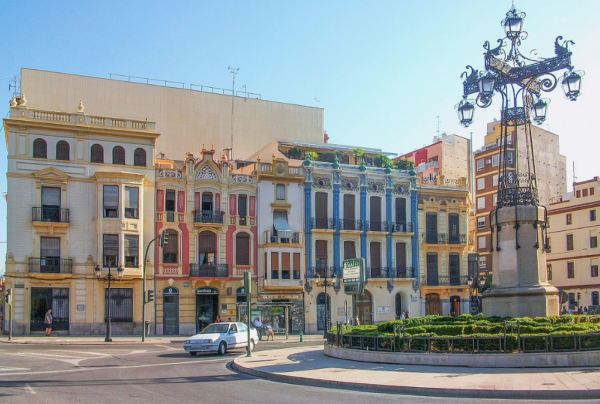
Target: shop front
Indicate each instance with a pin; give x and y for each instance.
(283, 311)
(207, 306)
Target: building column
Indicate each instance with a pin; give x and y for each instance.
(307, 221)
(363, 215)
(336, 220)
(388, 215)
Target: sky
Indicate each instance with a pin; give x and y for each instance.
(387, 73)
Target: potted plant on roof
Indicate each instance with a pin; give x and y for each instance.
(358, 155)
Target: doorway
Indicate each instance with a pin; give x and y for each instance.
(364, 308)
(323, 311)
(455, 306)
(432, 304)
(56, 299)
(398, 306)
(206, 307)
(170, 311)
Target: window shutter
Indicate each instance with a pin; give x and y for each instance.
(321, 249)
(252, 206)
(160, 200)
(218, 202)
(50, 196)
(180, 201)
(242, 249)
(196, 200)
(274, 261)
(50, 246)
(111, 196)
(111, 244)
(131, 246)
(206, 242)
(232, 205)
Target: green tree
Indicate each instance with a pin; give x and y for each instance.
(358, 154)
(311, 155)
(403, 164)
(381, 160)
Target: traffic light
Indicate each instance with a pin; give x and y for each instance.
(164, 239)
(8, 296)
(578, 295)
(150, 296)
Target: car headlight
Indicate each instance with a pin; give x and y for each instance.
(187, 341)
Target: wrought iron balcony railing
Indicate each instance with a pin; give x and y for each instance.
(457, 238)
(51, 265)
(452, 280)
(50, 214)
(377, 272)
(403, 273)
(322, 272)
(209, 271)
(294, 240)
(322, 223)
(444, 238)
(402, 227)
(351, 224)
(377, 225)
(208, 216)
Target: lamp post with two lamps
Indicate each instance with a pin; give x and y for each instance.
(325, 282)
(478, 287)
(109, 278)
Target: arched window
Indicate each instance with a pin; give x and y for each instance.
(118, 155)
(171, 249)
(242, 249)
(139, 157)
(40, 149)
(62, 150)
(97, 154)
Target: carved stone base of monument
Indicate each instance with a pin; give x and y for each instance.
(520, 281)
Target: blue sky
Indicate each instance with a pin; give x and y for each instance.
(383, 70)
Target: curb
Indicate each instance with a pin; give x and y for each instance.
(113, 343)
(422, 391)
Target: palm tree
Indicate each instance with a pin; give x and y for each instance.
(357, 153)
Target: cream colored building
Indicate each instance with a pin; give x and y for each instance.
(574, 256)
(80, 193)
(186, 118)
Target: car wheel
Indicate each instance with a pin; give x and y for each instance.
(252, 344)
(222, 348)
(193, 353)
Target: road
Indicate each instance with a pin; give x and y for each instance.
(151, 373)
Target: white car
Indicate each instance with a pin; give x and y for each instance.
(219, 337)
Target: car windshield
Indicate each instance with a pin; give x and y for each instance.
(215, 329)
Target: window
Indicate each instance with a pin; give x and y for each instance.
(118, 155)
(131, 249)
(569, 218)
(480, 183)
(585, 191)
(320, 255)
(569, 242)
(482, 262)
(97, 154)
(495, 180)
(280, 192)
(40, 149)
(481, 244)
(62, 150)
(242, 249)
(111, 201)
(549, 271)
(494, 199)
(296, 263)
(578, 193)
(593, 241)
(481, 202)
(570, 270)
(207, 248)
(349, 250)
(495, 159)
(480, 163)
(132, 202)
(171, 250)
(110, 254)
(571, 298)
(510, 157)
(548, 244)
(170, 201)
(50, 254)
(591, 191)
(285, 265)
(595, 299)
(139, 157)
(481, 222)
(593, 215)
(121, 305)
(274, 265)
(242, 209)
(50, 204)
(594, 271)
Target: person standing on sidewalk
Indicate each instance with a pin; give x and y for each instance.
(48, 321)
(259, 326)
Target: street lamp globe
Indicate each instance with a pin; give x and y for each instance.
(465, 112)
(97, 271)
(513, 23)
(487, 83)
(571, 84)
(540, 108)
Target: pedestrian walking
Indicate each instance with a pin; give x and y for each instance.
(48, 321)
(218, 319)
(259, 326)
(1, 323)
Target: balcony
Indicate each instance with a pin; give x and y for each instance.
(377, 225)
(208, 216)
(50, 214)
(209, 271)
(295, 239)
(170, 216)
(402, 227)
(322, 223)
(51, 265)
(351, 224)
(323, 272)
(376, 272)
(403, 273)
(452, 280)
(444, 238)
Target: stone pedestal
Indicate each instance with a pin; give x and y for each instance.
(520, 281)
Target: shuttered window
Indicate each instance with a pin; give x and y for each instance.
(274, 265)
(242, 206)
(296, 264)
(50, 247)
(40, 149)
(242, 249)
(139, 157)
(349, 250)
(280, 192)
(97, 154)
(400, 210)
(401, 255)
(62, 150)
(171, 250)
(285, 265)
(207, 247)
(111, 201)
(132, 202)
(170, 201)
(118, 155)
(110, 243)
(131, 251)
(321, 254)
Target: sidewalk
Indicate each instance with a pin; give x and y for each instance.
(309, 366)
(131, 339)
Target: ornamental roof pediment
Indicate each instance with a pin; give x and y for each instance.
(51, 173)
(207, 172)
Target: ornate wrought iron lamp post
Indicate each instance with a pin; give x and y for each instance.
(520, 286)
(108, 278)
(325, 282)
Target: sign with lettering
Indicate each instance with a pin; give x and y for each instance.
(207, 290)
(278, 296)
(170, 291)
(351, 270)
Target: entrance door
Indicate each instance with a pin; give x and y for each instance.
(323, 311)
(170, 311)
(432, 304)
(43, 299)
(206, 310)
(455, 306)
(364, 308)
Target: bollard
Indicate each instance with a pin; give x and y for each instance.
(301, 334)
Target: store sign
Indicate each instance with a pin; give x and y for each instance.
(276, 311)
(206, 290)
(273, 296)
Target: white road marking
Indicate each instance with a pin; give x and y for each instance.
(169, 348)
(99, 354)
(9, 369)
(30, 389)
(83, 369)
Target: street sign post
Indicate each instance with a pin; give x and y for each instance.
(353, 276)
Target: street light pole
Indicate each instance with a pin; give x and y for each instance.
(163, 238)
(109, 278)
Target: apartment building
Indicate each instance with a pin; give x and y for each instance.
(80, 198)
(550, 171)
(572, 242)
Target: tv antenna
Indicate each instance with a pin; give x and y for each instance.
(233, 71)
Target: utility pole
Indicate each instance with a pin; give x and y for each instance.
(438, 125)
(233, 72)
